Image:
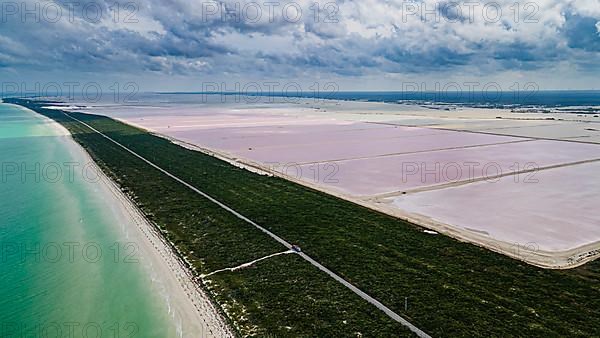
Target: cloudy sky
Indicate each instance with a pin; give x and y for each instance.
(359, 45)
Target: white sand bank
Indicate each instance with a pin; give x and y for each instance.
(190, 309)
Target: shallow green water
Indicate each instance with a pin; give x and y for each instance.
(65, 268)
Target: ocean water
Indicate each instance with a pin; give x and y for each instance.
(489, 98)
(66, 269)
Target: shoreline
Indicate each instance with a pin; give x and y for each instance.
(190, 309)
(438, 262)
(196, 305)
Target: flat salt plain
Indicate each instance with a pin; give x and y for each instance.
(556, 216)
(403, 173)
(328, 147)
(368, 153)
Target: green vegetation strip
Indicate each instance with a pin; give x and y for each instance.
(291, 248)
(453, 288)
(289, 296)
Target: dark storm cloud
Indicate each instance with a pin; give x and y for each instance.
(359, 38)
(582, 32)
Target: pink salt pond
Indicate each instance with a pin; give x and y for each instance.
(364, 144)
(374, 176)
(558, 213)
(442, 171)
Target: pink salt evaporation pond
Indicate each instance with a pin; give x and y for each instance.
(322, 148)
(239, 138)
(381, 175)
(202, 123)
(558, 213)
(239, 141)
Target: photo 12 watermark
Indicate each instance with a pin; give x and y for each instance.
(49, 172)
(84, 92)
(50, 11)
(69, 329)
(468, 91)
(431, 173)
(253, 12)
(325, 173)
(69, 252)
(254, 92)
(470, 12)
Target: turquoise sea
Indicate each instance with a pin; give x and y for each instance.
(66, 269)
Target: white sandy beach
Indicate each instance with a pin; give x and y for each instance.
(190, 309)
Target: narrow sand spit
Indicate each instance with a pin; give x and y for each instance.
(191, 310)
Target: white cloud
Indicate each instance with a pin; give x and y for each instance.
(356, 38)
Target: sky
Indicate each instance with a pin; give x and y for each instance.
(191, 45)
